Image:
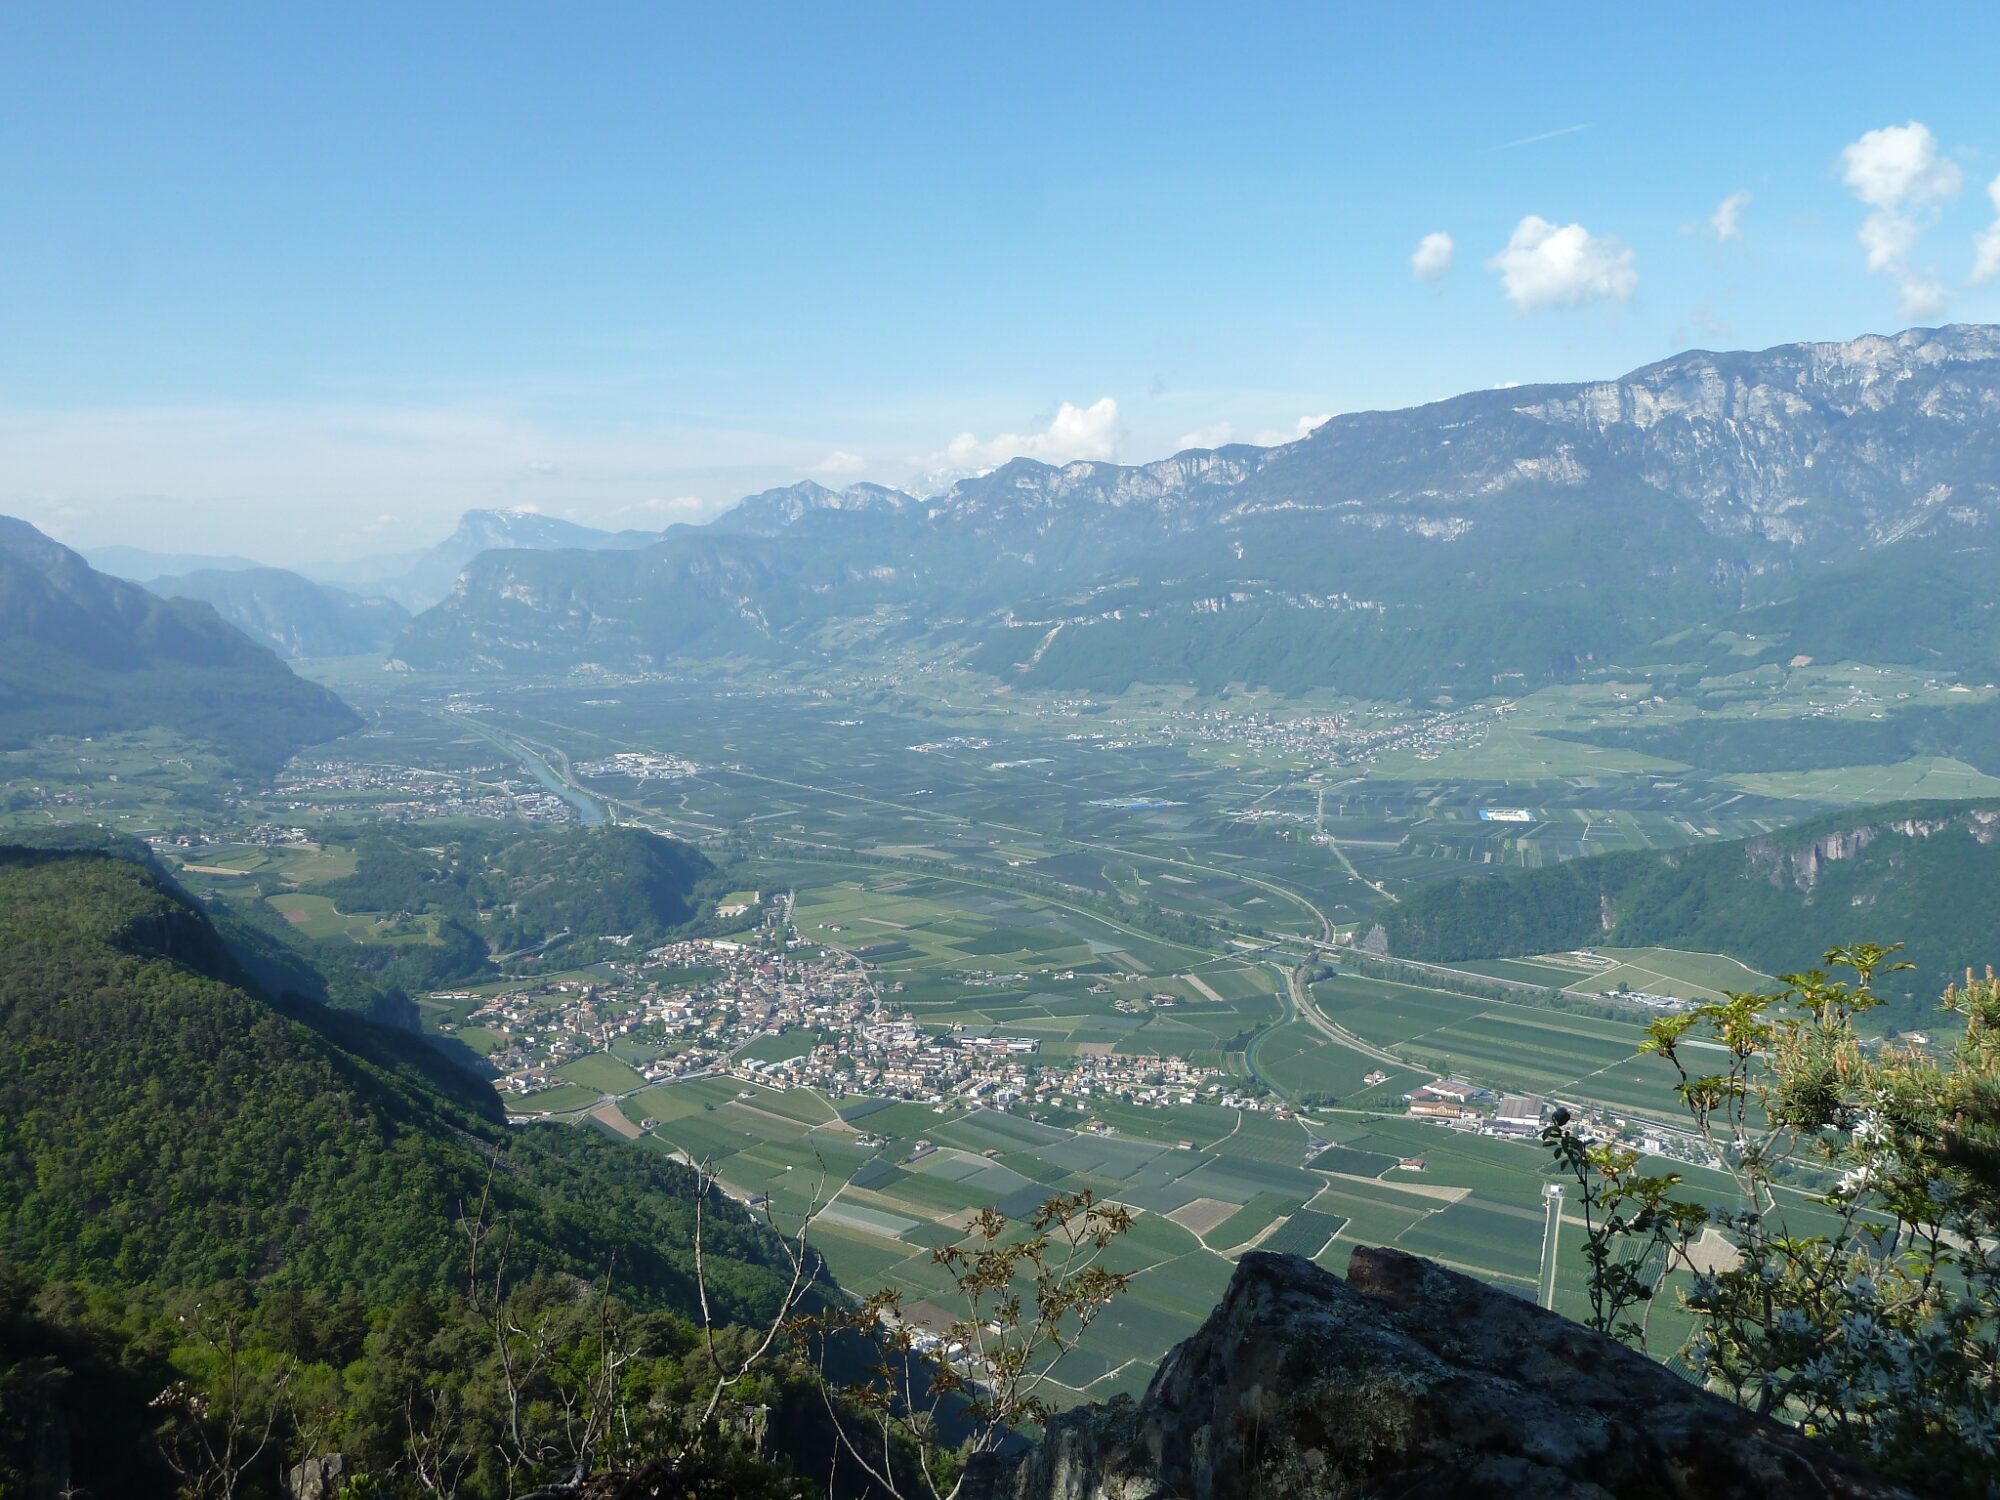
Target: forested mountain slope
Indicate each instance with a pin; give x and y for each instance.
(161, 1124)
(480, 892)
(82, 653)
(1926, 874)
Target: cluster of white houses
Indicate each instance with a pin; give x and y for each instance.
(1468, 1106)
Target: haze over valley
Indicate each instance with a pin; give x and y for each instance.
(617, 878)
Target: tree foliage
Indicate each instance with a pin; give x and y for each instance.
(160, 1123)
(236, 1232)
(1867, 1313)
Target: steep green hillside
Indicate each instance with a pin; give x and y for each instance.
(1923, 873)
(707, 596)
(82, 653)
(257, 941)
(465, 892)
(161, 1124)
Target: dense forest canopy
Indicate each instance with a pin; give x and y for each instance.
(466, 892)
(159, 1122)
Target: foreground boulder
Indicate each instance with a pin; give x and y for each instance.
(1408, 1380)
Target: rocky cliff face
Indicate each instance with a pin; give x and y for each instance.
(1806, 442)
(1409, 1380)
(1803, 866)
(1804, 446)
(1512, 533)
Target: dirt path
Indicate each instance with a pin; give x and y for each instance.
(611, 1116)
(1199, 983)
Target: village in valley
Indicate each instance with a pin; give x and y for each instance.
(774, 1011)
(702, 1006)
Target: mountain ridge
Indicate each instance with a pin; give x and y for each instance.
(84, 653)
(1518, 532)
(419, 579)
(1734, 386)
(290, 613)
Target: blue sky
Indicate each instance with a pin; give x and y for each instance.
(307, 280)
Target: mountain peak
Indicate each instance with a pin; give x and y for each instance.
(770, 512)
(505, 527)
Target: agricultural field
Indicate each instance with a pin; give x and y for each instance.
(602, 1072)
(919, 925)
(895, 1181)
(563, 1099)
(1668, 971)
(318, 917)
(1507, 1045)
(981, 859)
(140, 783)
(1921, 776)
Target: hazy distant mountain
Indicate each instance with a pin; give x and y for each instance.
(1493, 540)
(137, 564)
(84, 653)
(688, 595)
(420, 579)
(775, 511)
(294, 616)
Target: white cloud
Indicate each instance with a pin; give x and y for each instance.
(1271, 437)
(1431, 260)
(1546, 265)
(840, 461)
(1074, 432)
(1899, 164)
(1899, 174)
(1727, 220)
(1205, 437)
(1708, 323)
(1986, 244)
(1922, 294)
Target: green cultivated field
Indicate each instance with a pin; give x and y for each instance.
(561, 1099)
(1245, 1179)
(1509, 1045)
(1670, 971)
(318, 917)
(602, 1072)
(1120, 800)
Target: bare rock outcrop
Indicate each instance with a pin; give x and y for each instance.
(1408, 1380)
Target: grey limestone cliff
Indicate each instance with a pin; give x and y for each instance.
(1404, 1380)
